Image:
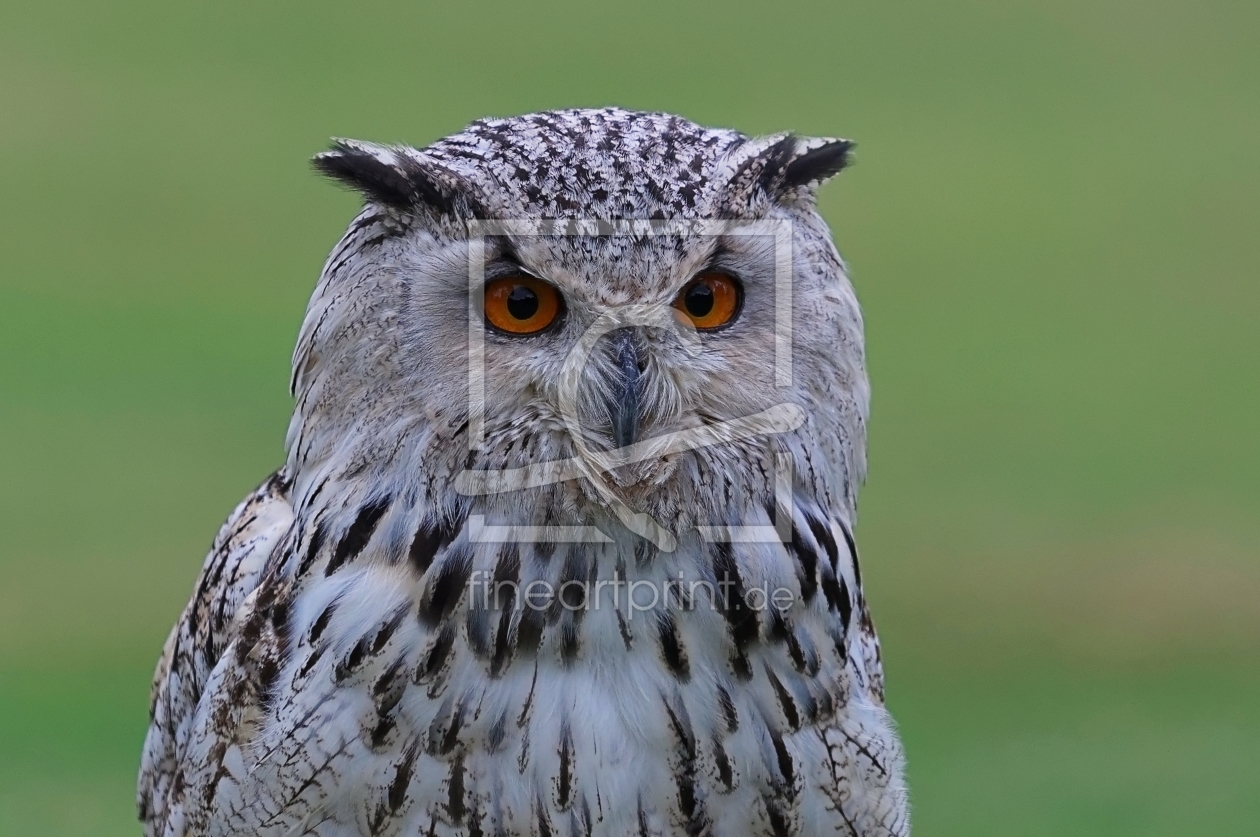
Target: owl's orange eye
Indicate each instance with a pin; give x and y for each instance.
(521, 304)
(710, 301)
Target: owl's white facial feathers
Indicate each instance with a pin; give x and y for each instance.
(383, 357)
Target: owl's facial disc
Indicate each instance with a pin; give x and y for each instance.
(626, 352)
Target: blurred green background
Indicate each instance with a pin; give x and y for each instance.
(1052, 227)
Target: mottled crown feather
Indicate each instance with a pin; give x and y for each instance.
(607, 163)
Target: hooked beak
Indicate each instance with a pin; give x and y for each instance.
(623, 404)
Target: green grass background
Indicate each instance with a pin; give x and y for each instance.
(1052, 227)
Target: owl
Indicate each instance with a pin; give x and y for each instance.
(563, 542)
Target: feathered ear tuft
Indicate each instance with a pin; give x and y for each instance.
(817, 160)
(777, 166)
(772, 163)
(394, 176)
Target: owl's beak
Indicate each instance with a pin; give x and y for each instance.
(623, 404)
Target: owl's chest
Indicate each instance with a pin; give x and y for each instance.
(600, 708)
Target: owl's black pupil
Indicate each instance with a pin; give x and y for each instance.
(699, 299)
(522, 302)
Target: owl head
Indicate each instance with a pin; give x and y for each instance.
(574, 313)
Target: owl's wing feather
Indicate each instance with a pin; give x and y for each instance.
(231, 572)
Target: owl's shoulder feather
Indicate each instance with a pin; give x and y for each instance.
(231, 573)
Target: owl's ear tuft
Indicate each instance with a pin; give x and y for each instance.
(395, 177)
(772, 162)
(780, 167)
(816, 160)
